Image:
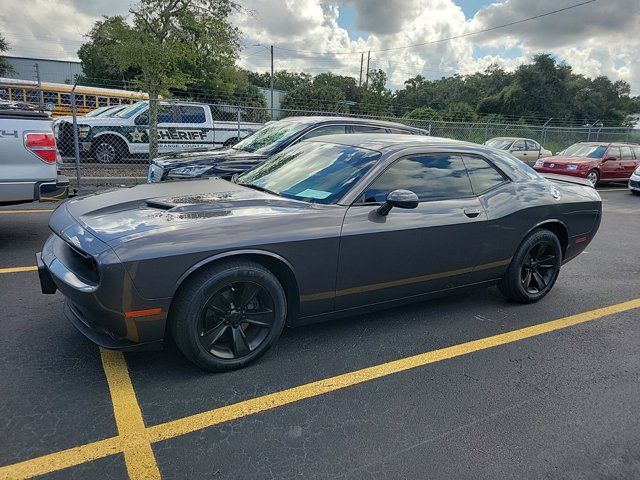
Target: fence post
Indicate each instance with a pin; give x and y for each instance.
(238, 118)
(76, 144)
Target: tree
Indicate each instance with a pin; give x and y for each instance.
(5, 66)
(173, 43)
(346, 84)
(376, 98)
(423, 113)
(282, 79)
(460, 112)
(316, 98)
(96, 56)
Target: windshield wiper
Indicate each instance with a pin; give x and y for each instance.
(257, 187)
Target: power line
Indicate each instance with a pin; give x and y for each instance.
(446, 39)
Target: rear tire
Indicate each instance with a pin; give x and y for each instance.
(108, 150)
(226, 316)
(594, 177)
(534, 268)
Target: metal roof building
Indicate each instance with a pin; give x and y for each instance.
(55, 71)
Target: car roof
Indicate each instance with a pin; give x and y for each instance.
(319, 119)
(389, 141)
(509, 138)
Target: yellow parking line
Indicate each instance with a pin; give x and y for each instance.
(134, 437)
(138, 455)
(15, 212)
(18, 269)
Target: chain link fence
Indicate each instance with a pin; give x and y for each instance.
(109, 146)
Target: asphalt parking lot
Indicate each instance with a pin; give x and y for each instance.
(470, 386)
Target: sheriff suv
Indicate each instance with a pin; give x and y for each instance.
(272, 138)
(181, 126)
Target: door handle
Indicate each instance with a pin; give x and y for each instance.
(472, 212)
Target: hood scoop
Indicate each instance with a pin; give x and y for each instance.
(159, 204)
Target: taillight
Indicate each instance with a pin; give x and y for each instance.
(43, 144)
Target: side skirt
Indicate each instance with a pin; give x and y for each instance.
(374, 307)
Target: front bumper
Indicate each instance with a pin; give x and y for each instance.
(100, 307)
(562, 171)
(634, 183)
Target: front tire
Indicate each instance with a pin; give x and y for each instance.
(534, 268)
(594, 177)
(227, 316)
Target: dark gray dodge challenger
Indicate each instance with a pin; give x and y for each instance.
(333, 226)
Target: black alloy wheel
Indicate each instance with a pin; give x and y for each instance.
(538, 268)
(225, 316)
(534, 268)
(236, 320)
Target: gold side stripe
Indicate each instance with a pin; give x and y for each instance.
(403, 281)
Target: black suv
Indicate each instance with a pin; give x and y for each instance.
(272, 138)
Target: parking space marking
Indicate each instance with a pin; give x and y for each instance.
(138, 455)
(31, 268)
(16, 212)
(134, 436)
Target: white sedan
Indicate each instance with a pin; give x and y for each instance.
(525, 149)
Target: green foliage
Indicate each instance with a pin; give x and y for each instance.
(423, 113)
(460, 112)
(534, 93)
(376, 98)
(323, 98)
(96, 56)
(5, 66)
(282, 79)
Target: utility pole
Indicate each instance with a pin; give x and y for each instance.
(40, 92)
(366, 82)
(271, 82)
(361, 62)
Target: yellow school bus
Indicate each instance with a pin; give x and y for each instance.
(58, 95)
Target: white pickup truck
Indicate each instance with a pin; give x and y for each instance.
(28, 159)
(181, 126)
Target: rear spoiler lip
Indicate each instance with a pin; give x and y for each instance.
(567, 179)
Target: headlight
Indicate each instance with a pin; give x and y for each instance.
(84, 131)
(572, 167)
(189, 172)
(538, 163)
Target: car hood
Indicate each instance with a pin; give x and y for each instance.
(561, 159)
(132, 212)
(207, 157)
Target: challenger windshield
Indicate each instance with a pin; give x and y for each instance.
(268, 139)
(585, 150)
(314, 172)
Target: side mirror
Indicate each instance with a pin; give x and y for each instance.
(608, 159)
(399, 199)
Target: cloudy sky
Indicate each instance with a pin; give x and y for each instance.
(600, 38)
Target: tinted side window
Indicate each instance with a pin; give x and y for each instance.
(626, 153)
(636, 150)
(613, 152)
(518, 146)
(431, 177)
(367, 129)
(397, 130)
(483, 175)
(192, 114)
(165, 114)
(326, 130)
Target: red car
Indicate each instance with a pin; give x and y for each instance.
(595, 161)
